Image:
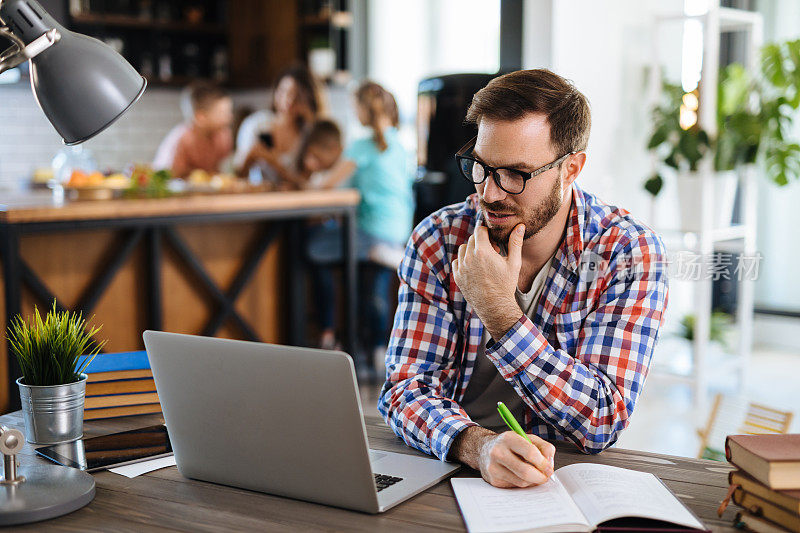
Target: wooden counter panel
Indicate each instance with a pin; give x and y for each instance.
(45, 211)
(222, 248)
(67, 262)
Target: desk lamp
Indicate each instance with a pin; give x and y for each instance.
(81, 84)
(30, 493)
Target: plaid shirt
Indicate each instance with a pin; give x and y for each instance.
(579, 365)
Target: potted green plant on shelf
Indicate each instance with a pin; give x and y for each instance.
(52, 388)
(754, 121)
(680, 144)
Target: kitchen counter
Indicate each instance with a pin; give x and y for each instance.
(220, 265)
(40, 207)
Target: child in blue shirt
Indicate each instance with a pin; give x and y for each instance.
(379, 168)
(382, 175)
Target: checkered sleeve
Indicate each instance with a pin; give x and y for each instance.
(420, 373)
(589, 395)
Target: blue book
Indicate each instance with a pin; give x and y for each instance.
(113, 362)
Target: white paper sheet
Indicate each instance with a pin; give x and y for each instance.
(604, 492)
(489, 509)
(143, 467)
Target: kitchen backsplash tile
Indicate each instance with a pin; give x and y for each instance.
(28, 141)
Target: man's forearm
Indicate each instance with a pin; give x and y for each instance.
(466, 447)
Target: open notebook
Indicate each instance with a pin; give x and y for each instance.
(578, 497)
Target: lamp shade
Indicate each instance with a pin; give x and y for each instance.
(81, 84)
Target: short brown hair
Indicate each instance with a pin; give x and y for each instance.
(321, 132)
(204, 94)
(514, 95)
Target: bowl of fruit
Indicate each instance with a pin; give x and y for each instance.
(95, 185)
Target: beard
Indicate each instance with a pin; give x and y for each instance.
(534, 218)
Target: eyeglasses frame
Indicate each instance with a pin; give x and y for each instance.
(489, 170)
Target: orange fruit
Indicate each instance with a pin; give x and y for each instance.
(95, 179)
(78, 178)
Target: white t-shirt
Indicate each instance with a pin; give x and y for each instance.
(165, 154)
(486, 386)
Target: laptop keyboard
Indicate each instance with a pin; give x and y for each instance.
(382, 481)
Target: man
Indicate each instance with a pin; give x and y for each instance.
(208, 141)
(531, 292)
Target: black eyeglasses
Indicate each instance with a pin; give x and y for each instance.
(510, 180)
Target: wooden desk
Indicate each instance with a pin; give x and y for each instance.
(164, 500)
(207, 265)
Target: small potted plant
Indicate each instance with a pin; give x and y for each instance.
(679, 143)
(52, 387)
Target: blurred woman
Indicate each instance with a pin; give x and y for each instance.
(267, 142)
(382, 176)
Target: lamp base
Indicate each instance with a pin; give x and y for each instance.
(48, 491)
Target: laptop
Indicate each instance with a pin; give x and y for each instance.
(278, 419)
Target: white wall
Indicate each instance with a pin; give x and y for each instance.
(537, 34)
(604, 47)
(415, 39)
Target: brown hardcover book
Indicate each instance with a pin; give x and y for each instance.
(758, 524)
(788, 499)
(774, 460)
(761, 507)
(120, 386)
(119, 374)
(117, 400)
(127, 410)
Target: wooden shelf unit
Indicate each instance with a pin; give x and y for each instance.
(237, 43)
(127, 21)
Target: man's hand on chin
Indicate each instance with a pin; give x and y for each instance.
(488, 280)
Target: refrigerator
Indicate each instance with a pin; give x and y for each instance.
(442, 104)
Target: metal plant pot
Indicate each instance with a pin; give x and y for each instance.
(53, 413)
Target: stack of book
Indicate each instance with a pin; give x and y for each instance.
(120, 384)
(767, 483)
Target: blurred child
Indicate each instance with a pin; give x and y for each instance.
(382, 172)
(385, 215)
(208, 141)
(318, 164)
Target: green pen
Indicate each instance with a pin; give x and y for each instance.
(511, 422)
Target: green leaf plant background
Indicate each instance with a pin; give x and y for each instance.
(755, 119)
